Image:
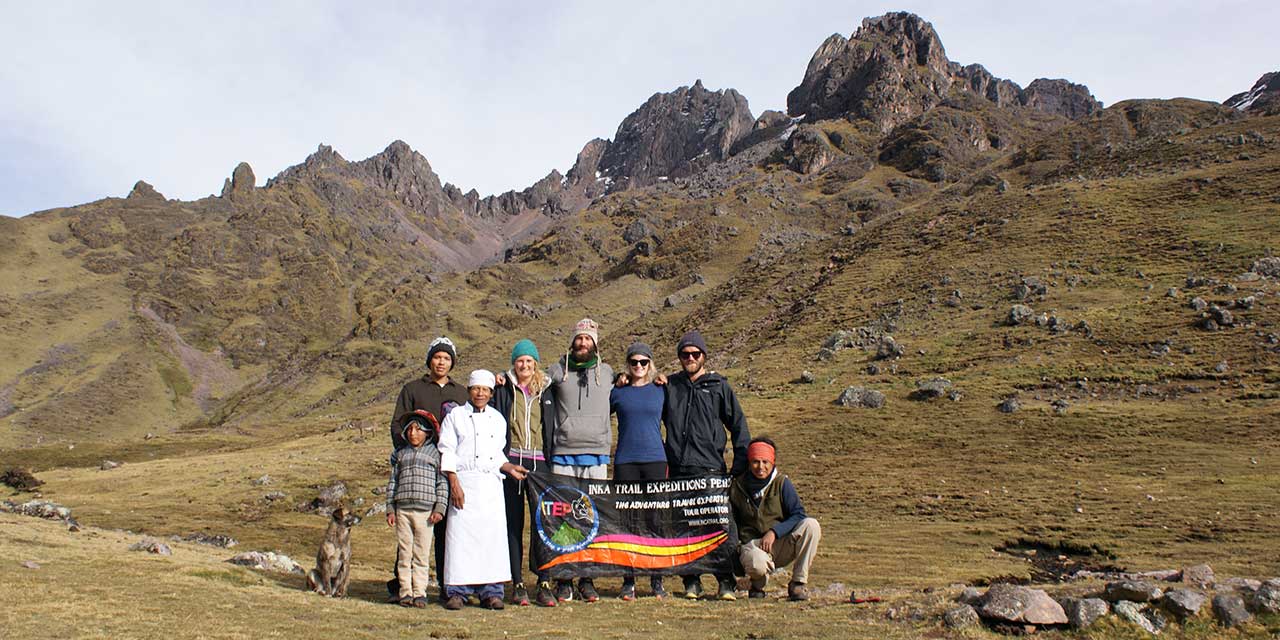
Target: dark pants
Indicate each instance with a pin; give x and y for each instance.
(636, 472)
(513, 490)
(690, 472)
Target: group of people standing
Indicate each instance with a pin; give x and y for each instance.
(480, 441)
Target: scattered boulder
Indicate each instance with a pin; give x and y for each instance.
(1248, 585)
(1133, 591)
(961, 617)
(1133, 613)
(1267, 598)
(275, 495)
(807, 377)
(37, 509)
(971, 596)
(20, 479)
(262, 481)
(267, 561)
(860, 397)
(888, 348)
(1172, 293)
(1012, 603)
(377, 508)
(1019, 314)
(1221, 367)
(1197, 303)
(217, 540)
(672, 301)
(30, 564)
(151, 545)
(1009, 405)
(1183, 603)
(1268, 267)
(1216, 317)
(931, 389)
(1083, 612)
(1060, 406)
(1229, 609)
(1200, 575)
(330, 498)
(108, 465)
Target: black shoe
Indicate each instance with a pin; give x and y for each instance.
(796, 592)
(544, 597)
(587, 589)
(692, 588)
(728, 589)
(564, 591)
(659, 590)
(520, 595)
(628, 592)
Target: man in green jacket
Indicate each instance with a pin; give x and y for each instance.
(773, 529)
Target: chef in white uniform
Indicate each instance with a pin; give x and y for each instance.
(471, 442)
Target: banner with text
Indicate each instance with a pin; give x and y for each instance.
(589, 528)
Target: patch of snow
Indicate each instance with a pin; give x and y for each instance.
(1249, 99)
(597, 175)
(790, 130)
(663, 178)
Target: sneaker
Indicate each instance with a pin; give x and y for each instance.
(692, 588)
(492, 602)
(659, 590)
(520, 595)
(728, 588)
(420, 602)
(544, 597)
(587, 589)
(453, 603)
(628, 591)
(564, 591)
(796, 592)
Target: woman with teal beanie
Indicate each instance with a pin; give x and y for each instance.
(520, 401)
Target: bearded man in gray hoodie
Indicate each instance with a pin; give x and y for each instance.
(579, 441)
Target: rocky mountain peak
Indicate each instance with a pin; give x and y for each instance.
(895, 68)
(1263, 98)
(404, 172)
(674, 134)
(240, 183)
(144, 191)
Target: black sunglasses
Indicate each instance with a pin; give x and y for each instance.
(690, 355)
(638, 363)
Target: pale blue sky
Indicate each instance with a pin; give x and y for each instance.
(96, 95)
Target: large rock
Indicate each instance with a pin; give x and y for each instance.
(1133, 612)
(1184, 603)
(1267, 598)
(1200, 575)
(810, 150)
(1132, 590)
(241, 182)
(860, 397)
(1083, 612)
(894, 68)
(675, 134)
(1268, 266)
(1012, 603)
(1019, 314)
(142, 192)
(961, 617)
(151, 545)
(931, 389)
(1229, 609)
(267, 561)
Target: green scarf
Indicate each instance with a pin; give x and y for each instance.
(574, 365)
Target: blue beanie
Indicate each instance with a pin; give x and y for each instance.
(524, 348)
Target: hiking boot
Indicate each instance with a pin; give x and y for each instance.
(587, 589)
(453, 603)
(564, 590)
(628, 592)
(492, 602)
(728, 589)
(420, 602)
(692, 588)
(520, 595)
(757, 588)
(796, 592)
(544, 596)
(659, 590)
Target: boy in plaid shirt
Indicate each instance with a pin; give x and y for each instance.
(416, 500)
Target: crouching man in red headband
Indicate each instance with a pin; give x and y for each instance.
(772, 526)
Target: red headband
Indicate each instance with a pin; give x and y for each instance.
(760, 451)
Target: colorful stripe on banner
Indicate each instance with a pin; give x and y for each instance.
(643, 553)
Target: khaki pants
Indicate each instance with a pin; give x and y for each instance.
(799, 546)
(413, 536)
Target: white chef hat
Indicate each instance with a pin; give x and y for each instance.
(481, 378)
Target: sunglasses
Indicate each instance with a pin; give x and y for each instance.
(690, 355)
(638, 363)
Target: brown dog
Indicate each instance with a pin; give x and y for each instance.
(333, 560)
